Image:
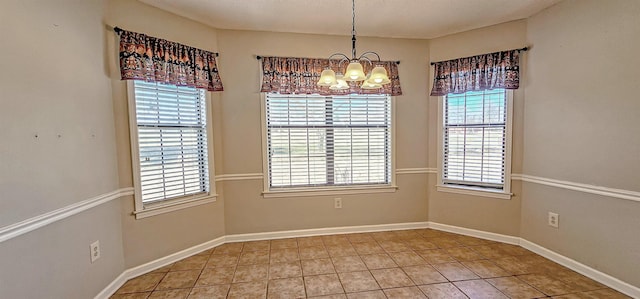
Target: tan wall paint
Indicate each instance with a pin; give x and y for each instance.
(488, 214)
(245, 209)
(582, 125)
(154, 237)
(54, 82)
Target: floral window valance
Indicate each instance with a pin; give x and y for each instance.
(294, 75)
(152, 59)
(480, 72)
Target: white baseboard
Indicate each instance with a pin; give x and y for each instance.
(583, 269)
(156, 264)
(324, 231)
(475, 233)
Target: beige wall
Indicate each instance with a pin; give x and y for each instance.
(154, 237)
(487, 214)
(246, 210)
(54, 82)
(582, 125)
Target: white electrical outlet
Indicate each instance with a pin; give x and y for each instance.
(553, 219)
(95, 251)
(337, 203)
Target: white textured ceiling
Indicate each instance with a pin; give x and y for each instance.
(382, 18)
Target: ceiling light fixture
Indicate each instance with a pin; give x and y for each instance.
(355, 71)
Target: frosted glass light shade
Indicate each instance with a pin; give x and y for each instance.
(354, 71)
(379, 75)
(367, 84)
(341, 83)
(327, 78)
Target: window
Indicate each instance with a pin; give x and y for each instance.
(475, 141)
(322, 142)
(170, 145)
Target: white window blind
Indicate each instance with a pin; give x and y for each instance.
(475, 138)
(315, 141)
(172, 141)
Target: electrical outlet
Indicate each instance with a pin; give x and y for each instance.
(337, 203)
(95, 251)
(553, 219)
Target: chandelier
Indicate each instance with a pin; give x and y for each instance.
(355, 71)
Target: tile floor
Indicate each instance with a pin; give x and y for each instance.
(422, 263)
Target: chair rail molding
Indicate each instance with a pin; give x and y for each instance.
(33, 223)
(593, 189)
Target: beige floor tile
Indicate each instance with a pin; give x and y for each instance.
(445, 242)
(606, 294)
(392, 278)
(348, 264)
(378, 261)
(258, 272)
(548, 285)
(179, 280)
(407, 258)
(222, 260)
(368, 248)
(313, 252)
(284, 243)
(264, 245)
(325, 284)
(163, 269)
(360, 238)
(254, 257)
(485, 269)
(436, 256)
(335, 240)
(421, 244)
(235, 247)
(471, 241)
(360, 281)
(463, 254)
(256, 289)
(511, 249)
(407, 234)
(384, 236)
(489, 252)
(333, 296)
(310, 242)
(211, 276)
(442, 291)
(577, 281)
(210, 292)
(479, 289)
(195, 262)
(131, 296)
(170, 294)
(513, 265)
(367, 295)
(515, 288)
(285, 270)
(286, 288)
(572, 296)
(393, 246)
(317, 266)
(144, 283)
(284, 255)
(341, 250)
(407, 292)
(424, 274)
(455, 271)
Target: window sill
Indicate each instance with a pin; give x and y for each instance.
(174, 205)
(476, 191)
(297, 192)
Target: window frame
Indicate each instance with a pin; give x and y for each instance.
(326, 190)
(142, 210)
(505, 192)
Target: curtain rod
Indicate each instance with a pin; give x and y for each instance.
(119, 30)
(260, 57)
(519, 50)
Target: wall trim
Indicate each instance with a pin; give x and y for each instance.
(593, 189)
(475, 233)
(25, 226)
(238, 177)
(415, 170)
(156, 264)
(583, 269)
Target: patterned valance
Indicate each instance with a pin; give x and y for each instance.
(294, 75)
(154, 59)
(480, 72)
